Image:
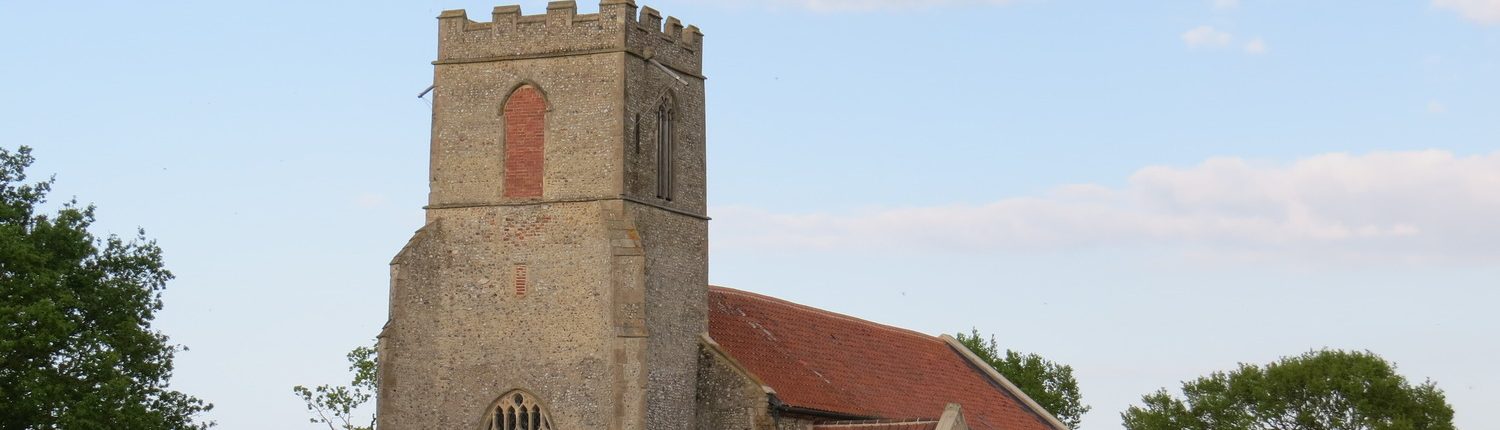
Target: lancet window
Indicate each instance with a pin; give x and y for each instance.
(665, 150)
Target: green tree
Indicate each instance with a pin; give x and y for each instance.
(76, 346)
(1050, 384)
(337, 405)
(1318, 390)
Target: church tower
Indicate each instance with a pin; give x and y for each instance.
(560, 280)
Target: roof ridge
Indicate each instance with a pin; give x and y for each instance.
(766, 298)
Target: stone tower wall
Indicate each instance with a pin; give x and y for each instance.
(587, 59)
(674, 233)
(591, 294)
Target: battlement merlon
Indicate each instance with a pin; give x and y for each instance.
(618, 27)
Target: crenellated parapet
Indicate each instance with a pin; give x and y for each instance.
(618, 26)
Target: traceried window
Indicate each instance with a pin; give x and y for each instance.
(665, 150)
(518, 410)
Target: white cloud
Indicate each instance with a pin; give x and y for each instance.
(1483, 11)
(1256, 46)
(1435, 106)
(1207, 37)
(1226, 4)
(1418, 206)
(869, 5)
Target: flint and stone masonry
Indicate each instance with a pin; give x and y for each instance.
(561, 278)
(550, 284)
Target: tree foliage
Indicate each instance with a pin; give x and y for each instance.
(1318, 390)
(76, 346)
(337, 405)
(1050, 384)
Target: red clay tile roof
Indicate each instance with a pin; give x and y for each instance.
(820, 360)
(878, 425)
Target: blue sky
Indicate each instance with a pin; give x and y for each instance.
(1148, 191)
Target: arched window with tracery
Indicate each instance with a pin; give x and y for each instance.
(518, 410)
(665, 150)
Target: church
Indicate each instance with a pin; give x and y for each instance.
(560, 281)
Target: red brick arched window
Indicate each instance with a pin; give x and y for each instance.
(525, 133)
